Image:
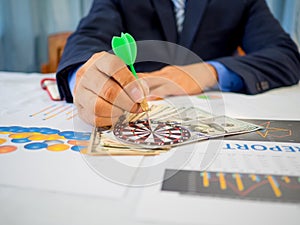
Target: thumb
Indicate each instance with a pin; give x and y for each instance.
(138, 90)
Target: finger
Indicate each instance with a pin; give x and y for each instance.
(106, 109)
(144, 87)
(96, 73)
(86, 116)
(81, 71)
(138, 89)
(160, 92)
(107, 88)
(114, 94)
(152, 97)
(103, 122)
(155, 82)
(96, 104)
(167, 88)
(110, 64)
(113, 66)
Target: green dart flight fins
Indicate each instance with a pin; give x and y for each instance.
(125, 48)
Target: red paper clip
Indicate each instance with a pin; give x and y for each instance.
(49, 85)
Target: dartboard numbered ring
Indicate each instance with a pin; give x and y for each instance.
(162, 133)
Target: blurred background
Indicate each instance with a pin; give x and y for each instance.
(26, 24)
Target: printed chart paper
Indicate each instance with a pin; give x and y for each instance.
(250, 182)
(41, 140)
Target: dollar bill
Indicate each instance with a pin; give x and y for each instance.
(170, 126)
(103, 143)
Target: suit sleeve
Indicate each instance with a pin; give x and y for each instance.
(92, 35)
(272, 59)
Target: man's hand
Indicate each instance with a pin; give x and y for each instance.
(104, 89)
(181, 80)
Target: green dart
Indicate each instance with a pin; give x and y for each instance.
(125, 48)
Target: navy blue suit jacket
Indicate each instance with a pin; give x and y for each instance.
(212, 29)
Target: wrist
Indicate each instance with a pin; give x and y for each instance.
(204, 74)
(213, 71)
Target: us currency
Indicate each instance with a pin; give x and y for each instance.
(103, 143)
(202, 125)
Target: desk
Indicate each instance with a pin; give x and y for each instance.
(29, 205)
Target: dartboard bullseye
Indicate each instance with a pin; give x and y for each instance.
(160, 134)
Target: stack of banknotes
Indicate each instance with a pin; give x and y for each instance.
(169, 127)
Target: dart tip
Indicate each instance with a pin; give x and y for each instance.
(145, 108)
(149, 122)
(144, 105)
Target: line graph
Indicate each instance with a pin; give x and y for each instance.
(263, 187)
(67, 111)
(274, 131)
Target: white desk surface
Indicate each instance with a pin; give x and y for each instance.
(30, 206)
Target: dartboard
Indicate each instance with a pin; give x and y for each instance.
(160, 133)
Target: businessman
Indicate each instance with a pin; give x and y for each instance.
(102, 86)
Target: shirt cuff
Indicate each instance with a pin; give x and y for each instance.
(72, 79)
(229, 81)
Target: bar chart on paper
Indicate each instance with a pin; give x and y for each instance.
(262, 187)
